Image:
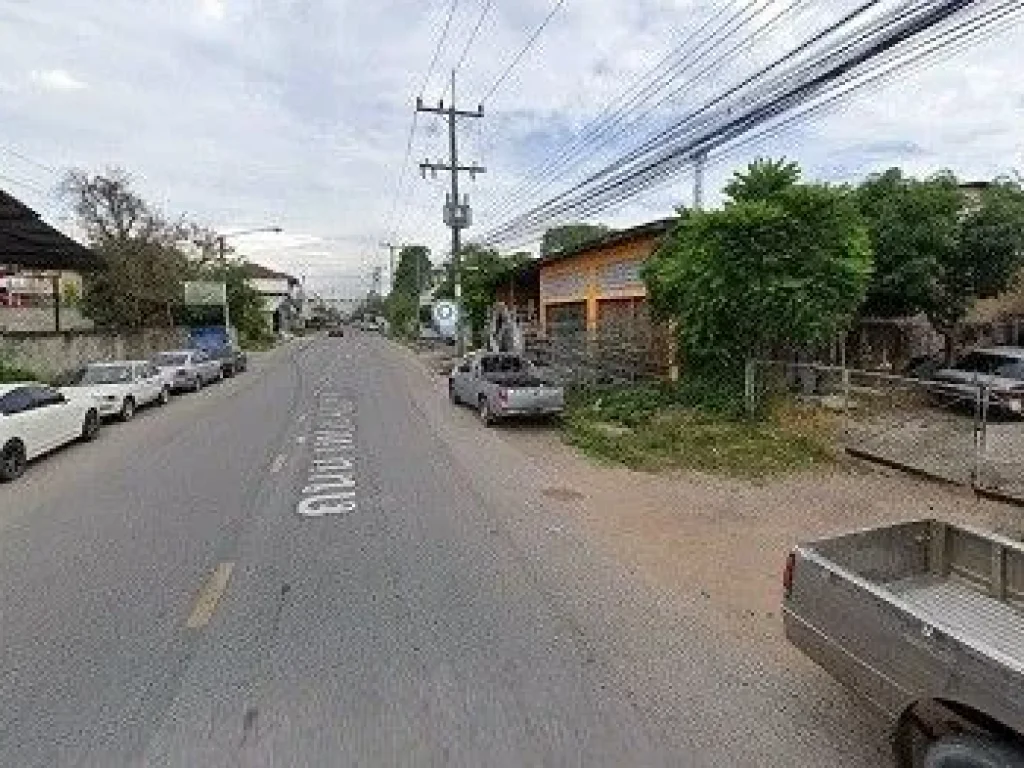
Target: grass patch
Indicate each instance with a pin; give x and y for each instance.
(659, 427)
(10, 374)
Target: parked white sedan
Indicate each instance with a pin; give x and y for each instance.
(121, 387)
(36, 419)
(188, 369)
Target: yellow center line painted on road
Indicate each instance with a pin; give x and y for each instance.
(209, 596)
(278, 463)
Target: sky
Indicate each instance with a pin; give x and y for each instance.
(296, 114)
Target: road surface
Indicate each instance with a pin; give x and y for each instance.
(321, 563)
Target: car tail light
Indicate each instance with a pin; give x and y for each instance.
(787, 574)
(503, 396)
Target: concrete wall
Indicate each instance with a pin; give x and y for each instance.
(41, 319)
(51, 353)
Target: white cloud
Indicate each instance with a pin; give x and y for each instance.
(57, 80)
(297, 115)
(214, 10)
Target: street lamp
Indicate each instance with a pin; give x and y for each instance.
(222, 254)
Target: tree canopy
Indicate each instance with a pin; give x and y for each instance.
(938, 250)
(782, 262)
(569, 236)
(482, 270)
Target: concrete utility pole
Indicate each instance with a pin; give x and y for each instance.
(391, 263)
(457, 214)
(699, 164)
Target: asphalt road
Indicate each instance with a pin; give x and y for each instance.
(320, 563)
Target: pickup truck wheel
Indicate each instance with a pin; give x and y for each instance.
(972, 752)
(127, 409)
(452, 396)
(486, 415)
(90, 427)
(198, 383)
(12, 461)
(165, 396)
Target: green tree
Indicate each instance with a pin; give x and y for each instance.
(411, 274)
(763, 179)
(786, 265)
(935, 252)
(482, 270)
(143, 263)
(569, 236)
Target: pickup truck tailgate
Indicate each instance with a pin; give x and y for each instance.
(537, 399)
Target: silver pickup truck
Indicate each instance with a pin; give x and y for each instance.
(500, 385)
(926, 621)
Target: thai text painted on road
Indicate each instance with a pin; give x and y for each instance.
(331, 487)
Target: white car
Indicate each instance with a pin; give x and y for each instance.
(36, 419)
(121, 387)
(188, 369)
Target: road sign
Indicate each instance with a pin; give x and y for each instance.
(446, 317)
(200, 293)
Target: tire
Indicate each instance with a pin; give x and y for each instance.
(165, 396)
(452, 397)
(485, 413)
(90, 427)
(12, 461)
(127, 410)
(972, 752)
(198, 383)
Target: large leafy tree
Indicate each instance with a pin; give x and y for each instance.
(936, 250)
(411, 275)
(569, 236)
(780, 263)
(143, 263)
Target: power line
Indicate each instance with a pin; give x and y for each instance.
(473, 34)
(29, 160)
(24, 184)
(415, 116)
(842, 65)
(437, 49)
(522, 52)
(621, 116)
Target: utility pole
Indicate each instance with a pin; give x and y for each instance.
(457, 214)
(391, 263)
(699, 164)
(222, 258)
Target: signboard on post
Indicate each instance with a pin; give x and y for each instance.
(205, 293)
(446, 318)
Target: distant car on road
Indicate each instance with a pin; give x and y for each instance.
(119, 388)
(232, 360)
(336, 332)
(36, 419)
(503, 385)
(999, 369)
(188, 369)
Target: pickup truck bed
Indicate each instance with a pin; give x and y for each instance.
(916, 616)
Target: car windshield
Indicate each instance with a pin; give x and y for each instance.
(501, 364)
(102, 374)
(992, 365)
(169, 358)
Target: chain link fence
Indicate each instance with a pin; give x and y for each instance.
(617, 353)
(967, 431)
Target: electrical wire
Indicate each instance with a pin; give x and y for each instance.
(403, 172)
(472, 35)
(611, 118)
(21, 156)
(522, 52)
(831, 68)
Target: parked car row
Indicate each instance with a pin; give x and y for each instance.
(36, 418)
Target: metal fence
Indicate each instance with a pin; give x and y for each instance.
(967, 433)
(614, 354)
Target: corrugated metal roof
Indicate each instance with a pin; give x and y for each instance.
(28, 241)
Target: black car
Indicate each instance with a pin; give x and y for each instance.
(232, 360)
